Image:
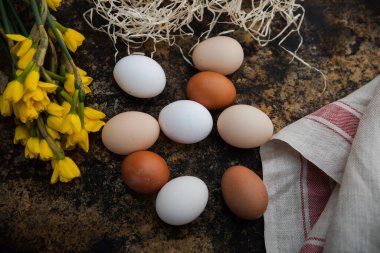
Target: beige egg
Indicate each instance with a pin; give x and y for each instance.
(130, 131)
(220, 54)
(244, 126)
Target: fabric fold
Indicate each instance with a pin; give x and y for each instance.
(316, 169)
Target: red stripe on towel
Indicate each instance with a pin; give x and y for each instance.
(318, 190)
(340, 117)
(310, 248)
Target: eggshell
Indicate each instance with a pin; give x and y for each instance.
(182, 200)
(211, 89)
(139, 76)
(244, 126)
(244, 192)
(219, 54)
(144, 171)
(185, 121)
(130, 131)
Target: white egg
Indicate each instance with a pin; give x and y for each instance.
(185, 121)
(139, 76)
(181, 200)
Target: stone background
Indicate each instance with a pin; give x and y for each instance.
(98, 213)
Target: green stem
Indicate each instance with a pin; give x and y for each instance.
(18, 22)
(74, 102)
(81, 113)
(54, 147)
(5, 19)
(57, 36)
(66, 96)
(56, 76)
(23, 75)
(60, 27)
(36, 12)
(53, 57)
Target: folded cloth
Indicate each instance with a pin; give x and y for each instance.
(323, 178)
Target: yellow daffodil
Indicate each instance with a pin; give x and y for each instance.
(48, 87)
(45, 151)
(67, 107)
(92, 119)
(53, 133)
(69, 83)
(22, 46)
(14, 91)
(23, 112)
(80, 138)
(52, 35)
(54, 122)
(73, 39)
(31, 80)
(71, 124)
(56, 110)
(27, 57)
(64, 169)
(32, 147)
(5, 107)
(53, 4)
(21, 135)
(37, 99)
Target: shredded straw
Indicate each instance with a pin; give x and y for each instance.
(135, 22)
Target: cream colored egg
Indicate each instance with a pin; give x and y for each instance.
(244, 126)
(130, 131)
(220, 54)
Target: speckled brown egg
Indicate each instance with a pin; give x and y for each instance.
(244, 192)
(211, 89)
(144, 171)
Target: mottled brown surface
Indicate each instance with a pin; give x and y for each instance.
(97, 213)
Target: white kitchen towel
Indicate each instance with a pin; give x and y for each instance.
(323, 178)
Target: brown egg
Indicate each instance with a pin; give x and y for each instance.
(244, 192)
(211, 89)
(144, 171)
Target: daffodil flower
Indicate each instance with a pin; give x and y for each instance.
(56, 110)
(53, 4)
(70, 81)
(31, 80)
(14, 91)
(21, 135)
(80, 138)
(73, 39)
(52, 133)
(32, 147)
(92, 119)
(48, 87)
(24, 113)
(64, 169)
(67, 107)
(54, 122)
(5, 107)
(27, 57)
(23, 44)
(45, 151)
(71, 124)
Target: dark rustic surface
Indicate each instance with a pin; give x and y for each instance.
(97, 213)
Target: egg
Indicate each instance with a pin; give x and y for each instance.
(244, 126)
(220, 54)
(181, 200)
(185, 121)
(244, 192)
(211, 89)
(144, 171)
(130, 131)
(139, 76)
